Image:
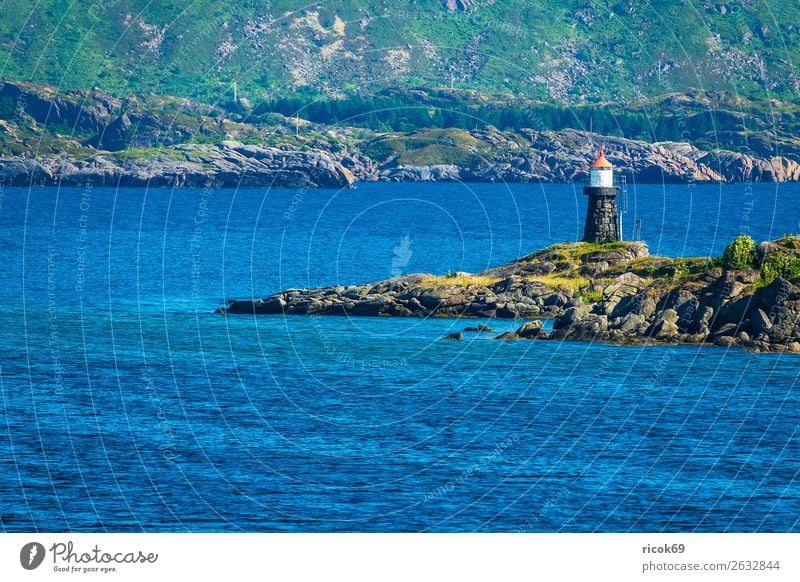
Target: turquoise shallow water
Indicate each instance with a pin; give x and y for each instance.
(128, 405)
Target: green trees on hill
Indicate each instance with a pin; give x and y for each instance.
(572, 51)
(411, 110)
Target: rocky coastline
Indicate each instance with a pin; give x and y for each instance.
(232, 164)
(615, 293)
(224, 165)
(76, 138)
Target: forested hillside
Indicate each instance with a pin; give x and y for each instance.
(557, 50)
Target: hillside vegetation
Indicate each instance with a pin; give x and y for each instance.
(570, 51)
(51, 136)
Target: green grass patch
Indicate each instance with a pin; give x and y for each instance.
(564, 283)
(461, 280)
(147, 153)
(591, 296)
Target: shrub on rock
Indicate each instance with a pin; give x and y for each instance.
(740, 254)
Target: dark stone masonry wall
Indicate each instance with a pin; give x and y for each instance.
(602, 225)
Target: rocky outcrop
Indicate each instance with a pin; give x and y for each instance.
(529, 330)
(614, 292)
(228, 164)
(415, 295)
(77, 137)
(736, 167)
(479, 329)
(565, 156)
(517, 290)
(765, 319)
(435, 173)
(586, 259)
(458, 5)
(80, 111)
(705, 305)
(568, 153)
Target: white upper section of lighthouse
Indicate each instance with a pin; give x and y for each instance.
(602, 173)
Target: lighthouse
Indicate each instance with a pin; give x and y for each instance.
(602, 217)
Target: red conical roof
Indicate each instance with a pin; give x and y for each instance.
(601, 161)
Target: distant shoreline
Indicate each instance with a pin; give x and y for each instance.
(76, 138)
(239, 166)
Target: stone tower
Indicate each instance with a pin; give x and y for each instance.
(602, 218)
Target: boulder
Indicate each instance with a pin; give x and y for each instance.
(557, 299)
(631, 324)
(530, 330)
(729, 329)
(734, 311)
(623, 286)
(665, 327)
(779, 291)
(633, 304)
(760, 321)
(508, 336)
(785, 321)
(704, 317)
(571, 316)
(589, 326)
(480, 329)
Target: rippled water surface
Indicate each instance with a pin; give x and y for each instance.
(129, 405)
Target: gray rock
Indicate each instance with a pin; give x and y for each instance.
(729, 329)
(670, 315)
(588, 326)
(530, 330)
(726, 341)
(631, 324)
(480, 329)
(571, 317)
(786, 322)
(665, 326)
(760, 321)
(623, 286)
(508, 336)
(223, 165)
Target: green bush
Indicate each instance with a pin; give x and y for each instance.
(590, 296)
(740, 254)
(779, 264)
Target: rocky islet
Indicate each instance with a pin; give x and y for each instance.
(615, 292)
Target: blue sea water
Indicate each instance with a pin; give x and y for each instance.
(128, 405)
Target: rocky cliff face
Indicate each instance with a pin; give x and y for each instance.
(614, 292)
(80, 110)
(565, 156)
(231, 164)
(228, 164)
(77, 137)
